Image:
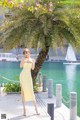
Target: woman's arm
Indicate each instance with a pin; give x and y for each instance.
(22, 63)
(33, 64)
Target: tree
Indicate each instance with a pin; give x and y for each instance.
(41, 24)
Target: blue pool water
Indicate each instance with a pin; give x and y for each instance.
(67, 75)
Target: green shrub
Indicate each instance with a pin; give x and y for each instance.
(12, 87)
(15, 87)
(35, 87)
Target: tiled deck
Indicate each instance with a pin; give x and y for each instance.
(11, 105)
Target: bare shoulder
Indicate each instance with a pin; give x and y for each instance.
(33, 60)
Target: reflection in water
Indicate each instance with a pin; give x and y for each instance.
(70, 76)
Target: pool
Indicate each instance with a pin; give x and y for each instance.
(67, 75)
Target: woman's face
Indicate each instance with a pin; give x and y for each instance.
(27, 54)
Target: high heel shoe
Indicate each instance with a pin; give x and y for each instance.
(24, 114)
(37, 112)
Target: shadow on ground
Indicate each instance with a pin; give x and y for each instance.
(22, 117)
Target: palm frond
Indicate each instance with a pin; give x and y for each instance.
(24, 28)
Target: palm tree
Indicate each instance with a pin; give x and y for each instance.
(42, 25)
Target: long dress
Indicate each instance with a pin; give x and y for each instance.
(26, 82)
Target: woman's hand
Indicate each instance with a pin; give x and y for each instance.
(22, 63)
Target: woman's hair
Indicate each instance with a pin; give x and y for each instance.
(26, 50)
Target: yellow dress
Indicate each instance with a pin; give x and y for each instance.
(26, 82)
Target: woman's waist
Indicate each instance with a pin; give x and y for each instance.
(26, 68)
(27, 71)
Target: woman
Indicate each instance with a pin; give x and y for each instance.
(26, 80)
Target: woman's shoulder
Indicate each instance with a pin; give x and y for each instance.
(32, 59)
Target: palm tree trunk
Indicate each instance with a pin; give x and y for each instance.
(39, 61)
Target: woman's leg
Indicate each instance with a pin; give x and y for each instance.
(23, 101)
(34, 102)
